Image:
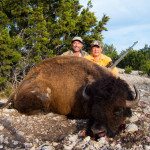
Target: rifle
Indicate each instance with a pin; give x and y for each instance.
(112, 65)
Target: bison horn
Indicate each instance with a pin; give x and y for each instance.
(87, 97)
(136, 99)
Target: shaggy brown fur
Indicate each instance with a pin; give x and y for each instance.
(56, 85)
(53, 84)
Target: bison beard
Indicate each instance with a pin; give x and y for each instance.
(76, 87)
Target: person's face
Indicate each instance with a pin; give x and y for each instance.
(77, 46)
(96, 51)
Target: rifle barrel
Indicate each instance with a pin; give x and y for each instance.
(118, 60)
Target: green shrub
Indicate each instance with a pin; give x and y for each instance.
(128, 69)
(145, 67)
(2, 82)
(7, 91)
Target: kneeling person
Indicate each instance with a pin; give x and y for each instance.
(99, 58)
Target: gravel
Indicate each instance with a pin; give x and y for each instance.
(56, 132)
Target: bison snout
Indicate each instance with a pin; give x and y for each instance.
(102, 130)
(99, 130)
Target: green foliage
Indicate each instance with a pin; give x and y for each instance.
(131, 59)
(7, 91)
(48, 25)
(138, 60)
(9, 56)
(2, 81)
(110, 51)
(145, 67)
(128, 69)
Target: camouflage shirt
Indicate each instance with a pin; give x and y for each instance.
(70, 53)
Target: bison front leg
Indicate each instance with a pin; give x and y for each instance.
(87, 131)
(88, 128)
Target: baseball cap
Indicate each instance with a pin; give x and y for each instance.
(77, 38)
(96, 43)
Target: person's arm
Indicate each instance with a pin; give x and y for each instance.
(113, 70)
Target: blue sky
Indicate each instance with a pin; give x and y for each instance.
(129, 21)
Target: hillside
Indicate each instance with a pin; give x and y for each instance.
(52, 131)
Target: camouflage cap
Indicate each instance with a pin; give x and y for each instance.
(96, 43)
(77, 38)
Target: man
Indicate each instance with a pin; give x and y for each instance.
(99, 58)
(77, 45)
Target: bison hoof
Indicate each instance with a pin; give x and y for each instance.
(83, 133)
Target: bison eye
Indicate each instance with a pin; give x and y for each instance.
(122, 112)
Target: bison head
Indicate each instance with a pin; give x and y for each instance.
(109, 101)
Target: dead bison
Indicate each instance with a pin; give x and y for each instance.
(77, 88)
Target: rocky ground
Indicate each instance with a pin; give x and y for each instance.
(55, 132)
